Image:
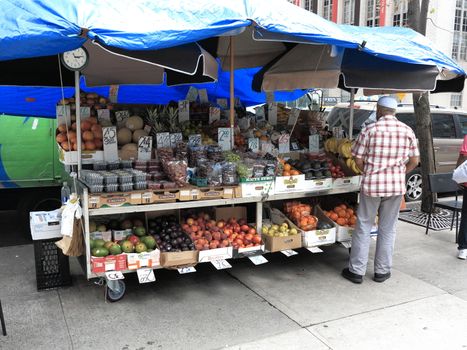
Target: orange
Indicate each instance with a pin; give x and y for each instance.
(334, 216)
(341, 221)
(353, 220)
(287, 167)
(286, 173)
(294, 172)
(343, 206)
(342, 214)
(350, 211)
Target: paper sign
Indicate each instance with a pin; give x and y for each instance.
(221, 264)
(113, 93)
(163, 140)
(313, 143)
(253, 144)
(258, 259)
(146, 275)
(269, 97)
(224, 138)
(84, 112)
(314, 250)
(347, 244)
(214, 114)
(183, 111)
(289, 252)
(294, 146)
(114, 275)
(175, 138)
(194, 140)
(63, 113)
(293, 116)
(203, 96)
(337, 132)
(121, 117)
(222, 102)
(260, 115)
(103, 115)
(109, 141)
(266, 147)
(192, 94)
(284, 143)
(144, 148)
(272, 113)
(184, 270)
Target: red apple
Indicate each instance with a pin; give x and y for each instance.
(245, 228)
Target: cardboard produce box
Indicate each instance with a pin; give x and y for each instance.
(160, 196)
(106, 200)
(276, 244)
(225, 213)
(257, 187)
(146, 259)
(71, 157)
(215, 254)
(286, 184)
(250, 251)
(320, 237)
(318, 184)
(347, 182)
(109, 263)
(172, 259)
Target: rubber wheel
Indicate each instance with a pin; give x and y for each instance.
(413, 184)
(113, 296)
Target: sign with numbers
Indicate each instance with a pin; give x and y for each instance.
(258, 259)
(163, 140)
(103, 115)
(284, 143)
(194, 140)
(272, 113)
(146, 275)
(289, 252)
(221, 264)
(214, 114)
(224, 138)
(313, 143)
(84, 112)
(253, 144)
(114, 275)
(293, 116)
(144, 148)
(184, 270)
(63, 113)
(121, 117)
(183, 111)
(203, 96)
(175, 138)
(260, 115)
(192, 94)
(222, 102)
(109, 141)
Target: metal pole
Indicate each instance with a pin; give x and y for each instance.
(78, 119)
(352, 105)
(232, 93)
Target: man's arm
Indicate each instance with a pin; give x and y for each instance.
(412, 164)
(360, 164)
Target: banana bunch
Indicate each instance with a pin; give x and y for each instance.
(350, 162)
(331, 145)
(345, 148)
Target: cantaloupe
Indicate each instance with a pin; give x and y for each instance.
(129, 151)
(134, 123)
(124, 136)
(137, 134)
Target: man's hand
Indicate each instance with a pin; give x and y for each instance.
(412, 164)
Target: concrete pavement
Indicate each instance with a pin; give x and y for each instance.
(300, 302)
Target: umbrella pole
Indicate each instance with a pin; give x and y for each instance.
(78, 119)
(232, 93)
(352, 105)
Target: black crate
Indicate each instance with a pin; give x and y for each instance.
(52, 267)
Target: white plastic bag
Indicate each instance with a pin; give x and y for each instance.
(460, 173)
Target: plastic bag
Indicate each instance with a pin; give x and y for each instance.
(460, 173)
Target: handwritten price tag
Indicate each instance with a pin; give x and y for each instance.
(313, 141)
(266, 147)
(114, 275)
(192, 94)
(146, 275)
(109, 140)
(222, 102)
(260, 115)
(224, 138)
(258, 259)
(84, 112)
(284, 143)
(253, 144)
(184, 270)
(289, 252)
(183, 111)
(221, 264)
(214, 114)
(272, 113)
(194, 140)
(121, 117)
(163, 140)
(63, 114)
(103, 115)
(203, 96)
(144, 148)
(175, 138)
(293, 116)
(315, 250)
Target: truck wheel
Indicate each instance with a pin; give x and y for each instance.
(413, 185)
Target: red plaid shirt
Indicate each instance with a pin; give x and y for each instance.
(385, 147)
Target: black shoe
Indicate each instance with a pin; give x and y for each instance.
(352, 277)
(381, 277)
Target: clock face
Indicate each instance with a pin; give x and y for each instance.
(76, 59)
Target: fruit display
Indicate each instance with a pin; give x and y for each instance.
(169, 235)
(343, 215)
(301, 215)
(313, 167)
(275, 230)
(343, 148)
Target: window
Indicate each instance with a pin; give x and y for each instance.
(456, 100)
(463, 124)
(349, 11)
(327, 9)
(308, 5)
(400, 13)
(459, 40)
(372, 13)
(443, 126)
(408, 119)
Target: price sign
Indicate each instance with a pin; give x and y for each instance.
(293, 116)
(337, 132)
(84, 112)
(147, 128)
(146, 275)
(266, 147)
(214, 114)
(163, 140)
(258, 259)
(272, 113)
(113, 93)
(103, 115)
(194, 140)
(175, 138)
(63, 114)
(315, 250)
(284, 143)
(183, 111)
(192, 94)
(221, 264)
(144, 148)
(260, 115)
(253, 144)
(109, 140)
(114, 275)
(203, 96)
(347, 244)
(289, 252)
(184, 270)
(222, 102)
(121, 117)
(313, 141)
(294, 146)
(269, 97)
(224, 138)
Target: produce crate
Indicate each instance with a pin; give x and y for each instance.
(71, 157)
(256, 187)
(222, 192)
(109, 263)
(347, 182)
(215, 254)
(286, 184)
(52, 267)
(119, 199)
(318, 184)
(277, 244)
(179, 259)
(146, 259)
(160, 196)
(250, 251)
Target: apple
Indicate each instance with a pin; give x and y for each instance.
(220, 224)
(190, 221)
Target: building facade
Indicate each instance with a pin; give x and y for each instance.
(446, 28)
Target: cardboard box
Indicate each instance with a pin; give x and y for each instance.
(344, 233)
(118, 235)
(109, 263)
(106, 200)
(318, 185)
(250, 251)
(347, 182)
(257, 187)
(215, 193)
(320, 237)
(147, 259)
(159, 196)
(71, 157)
(225, 213)
(45, 224)
(276, 244)
(286, 184)
(171, 259)
(215, 254)
(106, 235)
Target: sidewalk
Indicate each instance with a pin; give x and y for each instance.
(300, 302)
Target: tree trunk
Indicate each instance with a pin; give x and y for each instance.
(416, 19)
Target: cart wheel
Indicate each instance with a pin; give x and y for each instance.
(116, 291)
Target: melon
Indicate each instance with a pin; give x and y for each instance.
(129, 151)
(134, 123)
(139, 133)
(124, 136)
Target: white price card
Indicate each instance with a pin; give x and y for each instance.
(293, 116)
(203, 96)
(214, 114)
(109, 141)
(269, 97)
(315, 250)
(63, 113)
(222, 102)
(253, 144)
(183, 111)
(266, 147)
(84, 112)
(144, 148)
(113, 93)
(337, 132)
(103, 115)
(221, 264)
(194, 140)
(347, 244)
(284, 143)
(224, 138)
(175, 138)
(121, 117)
(258, 259)
(272, 113)
(313, 143)
(294, 146)
(163, 140)
(185, 270)
(260, 115)
(192, 94)
(114, 275)
(289, 252)
(146, 275)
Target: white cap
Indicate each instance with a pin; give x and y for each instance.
(388, 102)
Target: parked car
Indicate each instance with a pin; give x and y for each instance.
(449, 128)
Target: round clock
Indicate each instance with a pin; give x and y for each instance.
(75, 60)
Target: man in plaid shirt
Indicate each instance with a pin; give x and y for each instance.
(386, 151)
